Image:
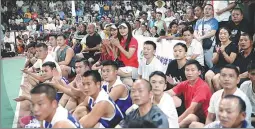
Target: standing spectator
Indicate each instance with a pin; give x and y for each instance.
(161, 25)
(238, 25)
(191, 21)
(199, 12)
(206, 29)
(160, 8)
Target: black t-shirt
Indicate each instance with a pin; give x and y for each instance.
(93, 41)
(222, 62)
(236, 30)
(242, 62)
(192, 23)
(174, 71)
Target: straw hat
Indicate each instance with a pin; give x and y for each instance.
(163, 2)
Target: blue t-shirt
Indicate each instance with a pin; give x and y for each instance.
(211, 24)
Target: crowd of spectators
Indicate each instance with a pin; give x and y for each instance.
(85, 54)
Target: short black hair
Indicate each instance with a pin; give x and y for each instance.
(141, 123)
(53, 35)
(248, 35)
(251, 66)
(31, 44)
(238, 9)
(46, 88)
(151, 43)
(241, 102)
(111, 63)
(43, 45)
(159, 73)
(194, 62)
(61, 35)
(50, 64)
(188, 28)
(85, 61)
(210, 5)
(172, 23)
(227, 29)
(231, 66)
(182, 45)
(159, 13)
(96, 76)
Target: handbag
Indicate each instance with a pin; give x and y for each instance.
(207, 42)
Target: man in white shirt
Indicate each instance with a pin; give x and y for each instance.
(151, 63)
(248, 87)
(160, 8)
(137, 30)
(35, 71)
(229, 78)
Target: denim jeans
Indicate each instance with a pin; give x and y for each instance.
(208, 57)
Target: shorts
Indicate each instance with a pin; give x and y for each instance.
(128, 69)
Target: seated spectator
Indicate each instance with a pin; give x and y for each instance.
(229, 77)
(145, 32)
(140, 123)
(163, 100)
(52, 115)
(175, 72)
(65, 56)
(36, 69)
(153, 31)
(127, 47)
(31, 55)
(195, 49)
(151, 63)
(109, 51)
(245, 56)
(53, 45)
(92, 44)
(72, 96)
(238, 25)
(232, 113)
(248, 88)
(222, 55)
(141, 94)
(112, 84)
(196, 95)
(96, 100)
(172, 31)
(137, 28)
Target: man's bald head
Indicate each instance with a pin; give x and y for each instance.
(143, 82)
(91, 28)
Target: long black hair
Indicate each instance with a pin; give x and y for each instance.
(129, 37)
